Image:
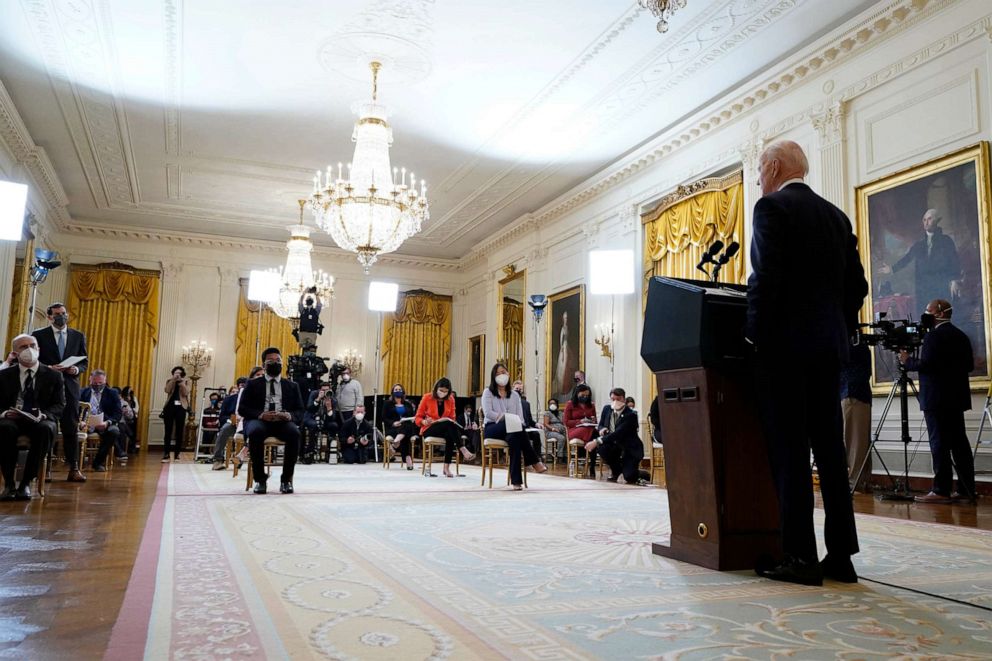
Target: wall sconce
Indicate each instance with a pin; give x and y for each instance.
(604, 340)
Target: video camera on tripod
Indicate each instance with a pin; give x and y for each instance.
(893, 334)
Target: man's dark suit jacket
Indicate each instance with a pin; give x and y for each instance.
(253, 399)
(48, 354)
(110, 403)
(528, 417)
(625, 434)
(49, 392)
(945, 360)
(807, 283)
(352, 428)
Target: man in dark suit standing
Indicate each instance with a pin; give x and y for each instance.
(945, 361)
(272, 406)
(107, 402)
(56, 343)
(27, 385)
(805, 290)
(618, 443)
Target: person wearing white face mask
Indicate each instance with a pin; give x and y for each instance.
(618, 443)
(554, 427)
(497, 401)
(355, 437)
(28, 386)
(349, 394)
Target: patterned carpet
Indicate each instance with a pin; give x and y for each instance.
(364, 563)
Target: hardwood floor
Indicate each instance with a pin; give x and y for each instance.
(66, 559)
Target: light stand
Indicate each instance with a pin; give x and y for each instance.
(382, 298)
(263, 287)
(537, 303)
(611, 272)
(45, 261)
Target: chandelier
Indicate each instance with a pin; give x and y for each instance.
(375, 208)
(297, 276)
(662, 10)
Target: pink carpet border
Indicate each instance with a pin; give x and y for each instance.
(130, 632)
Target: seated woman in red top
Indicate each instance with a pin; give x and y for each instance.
(580, 421)
(436, 417)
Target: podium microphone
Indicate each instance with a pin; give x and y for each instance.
(709, 255)
(731, 251)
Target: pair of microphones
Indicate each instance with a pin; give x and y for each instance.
(710, 257)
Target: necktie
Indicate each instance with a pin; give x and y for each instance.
(613, 426)
(28, 391)
(61, 345)
(272, 395)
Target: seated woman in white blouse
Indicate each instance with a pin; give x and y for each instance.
(498, 400)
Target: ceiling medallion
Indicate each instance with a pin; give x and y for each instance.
(297, 276)
(662, 10)
(372, 208)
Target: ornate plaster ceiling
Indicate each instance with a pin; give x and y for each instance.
(210, 116)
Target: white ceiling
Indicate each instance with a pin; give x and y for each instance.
(210, 116)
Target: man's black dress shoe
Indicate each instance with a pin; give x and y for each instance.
(260, 487)
(839, 569)
(793, 570)
(23, 493)
(286, 487)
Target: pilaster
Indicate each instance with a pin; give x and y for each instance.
(227, 320)
(830, 127)
(167, 352)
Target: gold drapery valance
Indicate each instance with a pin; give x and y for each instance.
(276, 332)
(416, 340)
(684, 224)
(116, 306)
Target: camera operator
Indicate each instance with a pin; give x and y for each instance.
(945, 361)
(309, 307)
(311, 423)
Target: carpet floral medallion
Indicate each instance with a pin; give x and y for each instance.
(366, 563)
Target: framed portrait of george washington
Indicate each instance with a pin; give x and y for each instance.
(566, 341)
(923, 234)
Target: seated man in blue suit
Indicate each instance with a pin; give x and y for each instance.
(272, 406)
(618, 443)
(108, 402)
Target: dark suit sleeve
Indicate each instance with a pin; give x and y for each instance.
(626, 429)
(81, 351)
(528, 416)
(389, 415)
(252, 400)
(908, 257)
(855, 285)
(112, 410)
(56, 397)
(604, 418)
(764, 288)
(294, 403)
(347, 429)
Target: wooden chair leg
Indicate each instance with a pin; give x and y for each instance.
(248, 473)
(482, 461)
(42, 469)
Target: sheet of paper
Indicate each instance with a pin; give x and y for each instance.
(586, 424)
(71, 360)
(94, 421)
(513, 423)
(28, 414)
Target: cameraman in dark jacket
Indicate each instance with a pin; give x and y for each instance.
(945, 361)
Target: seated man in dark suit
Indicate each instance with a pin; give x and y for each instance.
(272, 406)
(355, 437)
(27, 386)
(106, 401)
(529, 423)
(618, 443)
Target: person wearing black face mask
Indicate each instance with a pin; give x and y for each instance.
(272, 406)
(398, 425)
(580, 420)
(105, 401)
(56, 343)
(946, 359)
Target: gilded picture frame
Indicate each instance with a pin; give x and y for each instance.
(476, 364)
(566, 341)
(907, 266)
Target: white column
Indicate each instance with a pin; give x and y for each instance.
(829, 126)
(8, 257)
(166, 353)
(227, 320)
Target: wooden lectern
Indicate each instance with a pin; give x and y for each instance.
(722, 501)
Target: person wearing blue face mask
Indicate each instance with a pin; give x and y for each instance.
(397, 421)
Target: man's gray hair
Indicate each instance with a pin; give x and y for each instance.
(20, 337)
(98, 373)
(789, 154)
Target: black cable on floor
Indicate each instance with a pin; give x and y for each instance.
(928, 594)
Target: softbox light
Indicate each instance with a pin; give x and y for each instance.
(611, 272)
(13, 201)
(382, 296)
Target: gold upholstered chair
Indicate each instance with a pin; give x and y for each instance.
(432, 443)
(496, 452)
(24, 443)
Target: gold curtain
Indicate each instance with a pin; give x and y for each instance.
(680, 229)
(416, 341)
(14, 322)
(513, 337)
(116, 307)
(276, 332)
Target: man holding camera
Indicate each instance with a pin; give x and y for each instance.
(945, 361)
(309, 308)
(804, 294)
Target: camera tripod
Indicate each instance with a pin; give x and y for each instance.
(900, 490)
